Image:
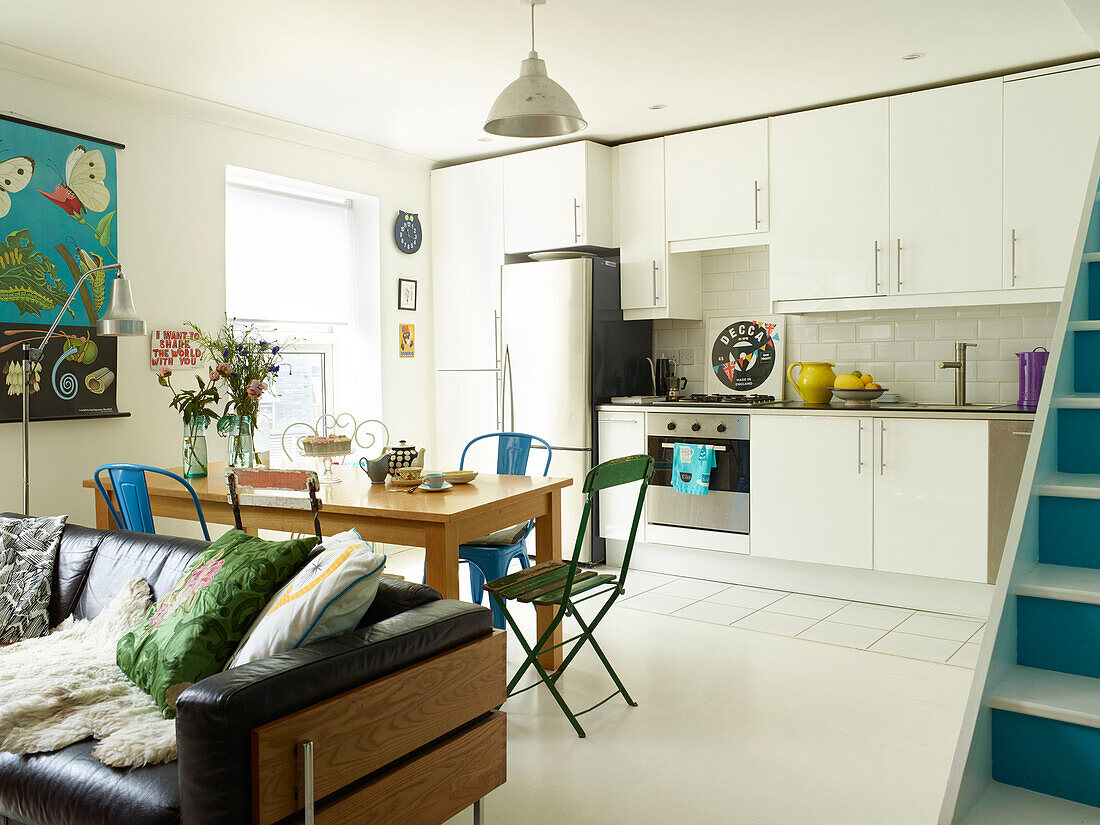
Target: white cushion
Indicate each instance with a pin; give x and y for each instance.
(326, 598)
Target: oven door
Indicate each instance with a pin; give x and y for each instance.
(725, 508)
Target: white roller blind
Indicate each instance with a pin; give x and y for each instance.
(287, 257)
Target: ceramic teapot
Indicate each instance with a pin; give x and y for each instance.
(378, 469)
(815, 380)
(405, 456)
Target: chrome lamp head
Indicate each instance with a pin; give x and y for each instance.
(121, 318)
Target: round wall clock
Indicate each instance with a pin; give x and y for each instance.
(407, 233)
(743, 355)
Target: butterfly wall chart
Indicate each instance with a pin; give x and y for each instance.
(15, 174)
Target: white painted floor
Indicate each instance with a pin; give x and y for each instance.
(755, 707)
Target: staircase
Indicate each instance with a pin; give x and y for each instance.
(1030, 746)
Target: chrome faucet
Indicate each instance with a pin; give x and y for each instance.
(959, 365)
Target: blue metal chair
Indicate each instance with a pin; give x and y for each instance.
(490, 562)
(132, 494)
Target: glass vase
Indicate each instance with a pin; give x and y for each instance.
(195, 459)
(238, 428)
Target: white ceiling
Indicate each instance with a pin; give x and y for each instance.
(420, 75)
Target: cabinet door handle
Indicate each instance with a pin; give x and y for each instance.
(654, 283)
(899, 264)
(881, 449)
(877, 285)
(1013, 257)
(496, 355)
(859, 448)
(576, 223)
(756, 203)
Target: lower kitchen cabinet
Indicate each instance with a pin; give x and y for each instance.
(812, 489)
(901, 495)
(619, 434)
(932, 497)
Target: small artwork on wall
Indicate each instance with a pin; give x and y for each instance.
(406, 294)
(407, 343)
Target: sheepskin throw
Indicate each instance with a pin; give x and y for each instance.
(28, 547)
(65, 687)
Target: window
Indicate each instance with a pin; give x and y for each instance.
(302, 262)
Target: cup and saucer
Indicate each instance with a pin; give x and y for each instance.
(435, 483)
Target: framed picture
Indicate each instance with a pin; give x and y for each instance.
(406, 293)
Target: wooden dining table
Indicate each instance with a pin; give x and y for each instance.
(438, 522)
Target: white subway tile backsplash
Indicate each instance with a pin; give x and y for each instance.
(718, 282)
(962, 329)
(802, 333)
(1001, 327)
(876, 332)
(913, 330)
(894, 351)
(901, 348)
(855, 352)
(837, 333)
(1039, 327)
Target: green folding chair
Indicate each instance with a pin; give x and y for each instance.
(558, 582)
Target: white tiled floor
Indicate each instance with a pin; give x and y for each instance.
(934, 637)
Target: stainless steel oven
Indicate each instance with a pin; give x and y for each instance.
(726, 507)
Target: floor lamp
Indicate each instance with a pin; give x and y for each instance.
(120, 319)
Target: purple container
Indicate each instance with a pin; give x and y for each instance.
(1032, 367)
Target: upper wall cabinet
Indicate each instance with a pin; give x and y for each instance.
(716, 181)
(945, 188)
(830, 202)
(1051, 129)
(467, 253)
(557, 197)
(654, 284)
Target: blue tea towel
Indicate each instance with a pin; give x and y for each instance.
(691, 466)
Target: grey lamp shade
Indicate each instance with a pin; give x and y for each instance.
(534, 106)
(120, 318)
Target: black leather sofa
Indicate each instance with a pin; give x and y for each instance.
(212, 782)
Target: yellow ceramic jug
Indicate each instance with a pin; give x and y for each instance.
(815, 380)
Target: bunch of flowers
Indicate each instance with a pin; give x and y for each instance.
(194, 405)
(246, 361)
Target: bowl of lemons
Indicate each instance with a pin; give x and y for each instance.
(856, 389)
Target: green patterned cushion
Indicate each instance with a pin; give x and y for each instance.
(194, 630)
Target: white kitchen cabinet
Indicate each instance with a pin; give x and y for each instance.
(931, 497)
(716, 181)
(620, 434)
(812, 489)
(945, 188)
(830, 202)
(467, 253)
(1051, 129)
(654, 283)
(557, 197)
(466, 406)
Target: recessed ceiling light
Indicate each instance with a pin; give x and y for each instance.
(912, 56)
(657, 106)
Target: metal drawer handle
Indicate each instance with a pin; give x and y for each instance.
(1013, 257)
(881, 449)
(714, 447)
(655, 283)
(877, 285)
(899, 264)
(756, 202)
(1027, 434)
(576, 223)
(859, 449)
(307, 781)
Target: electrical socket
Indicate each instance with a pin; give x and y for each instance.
(686, 357)
(668, 353)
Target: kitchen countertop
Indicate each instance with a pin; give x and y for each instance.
(1002, 412)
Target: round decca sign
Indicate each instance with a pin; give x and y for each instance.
(743, 355)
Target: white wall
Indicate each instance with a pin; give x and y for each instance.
(900, 348)
(171, 193)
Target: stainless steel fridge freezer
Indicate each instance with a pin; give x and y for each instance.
(565, 349)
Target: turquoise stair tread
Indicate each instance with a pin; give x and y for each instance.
(1049, 694)
(1057, 581)
(1003, 804)
(1078, 401)
(1084, 326)
(1072, 485)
